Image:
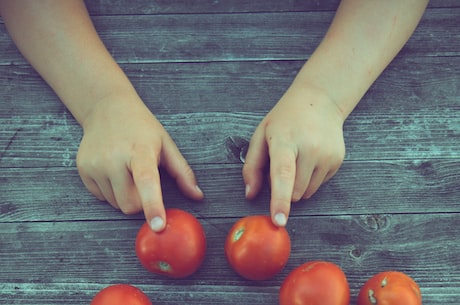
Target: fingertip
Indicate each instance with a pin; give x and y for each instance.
(98, 196)
(155, 214)
(307, 195)
(191, 190)
(251, 190)
(196, 193)
(157, 224)
(255, 161)
(247, 191)
(279, 219)
(253, 182)
(280, 211)
(186, 181)
(199, 192)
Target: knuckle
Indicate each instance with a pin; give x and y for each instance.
(285, 170)
(331, 158)
(82, 162)
(97, 161)
(249, 169)
(144, 178)
(86, 167)
(280, 201)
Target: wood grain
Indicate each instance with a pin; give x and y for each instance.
(206, 138)
(140, 7)
(101, 252)
(210, 72)
(240, 37)
(56, 193)
(412, 111)
(409, 84)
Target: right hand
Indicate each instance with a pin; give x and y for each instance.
(122, 146)
(301, 139)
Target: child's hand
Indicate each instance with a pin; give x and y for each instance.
(119, 155)
(303, 138)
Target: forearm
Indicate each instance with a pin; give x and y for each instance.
(362, 40)
(58, 38)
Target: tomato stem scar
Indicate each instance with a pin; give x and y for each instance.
(372, 299)
(238, 233)
(164, 266)
(384, 282)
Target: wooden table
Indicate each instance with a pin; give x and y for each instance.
(210, 72)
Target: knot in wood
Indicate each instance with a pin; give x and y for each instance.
(376, 222)
(237, 148)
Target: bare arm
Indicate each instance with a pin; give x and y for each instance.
(59, 40)
(302, 135)
(363, 39)
(123, 143)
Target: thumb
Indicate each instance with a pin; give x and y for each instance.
(180, 170)
(256, 158)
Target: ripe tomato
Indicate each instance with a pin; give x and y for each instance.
(390, 288)
(120, 294)
(256, 248)
(178, 250)
(315, 283)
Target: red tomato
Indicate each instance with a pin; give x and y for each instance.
(315, 283)
(120, 294)
(178, 250)
(390, 288)
(256, 248)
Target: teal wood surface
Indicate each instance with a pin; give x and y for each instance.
(210, 72)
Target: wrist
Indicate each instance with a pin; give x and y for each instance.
(111, 107)
(314, 95)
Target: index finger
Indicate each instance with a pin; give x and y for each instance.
(144, 168)
(282, 178)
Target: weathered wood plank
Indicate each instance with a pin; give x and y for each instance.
(142, 7)
(424, 245)
(230, 37)
(138, 7)
(412, 111)
(408, 85)
(79, 293)
(185, 38)
(29, 194)
(49, 141)
(220, 66)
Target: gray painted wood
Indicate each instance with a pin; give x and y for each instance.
(210, 72)
(240, 37)
(93, 254)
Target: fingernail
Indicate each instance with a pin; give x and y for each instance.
(157, 224)
(247, 190)
(198, 189)
(280, 219)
